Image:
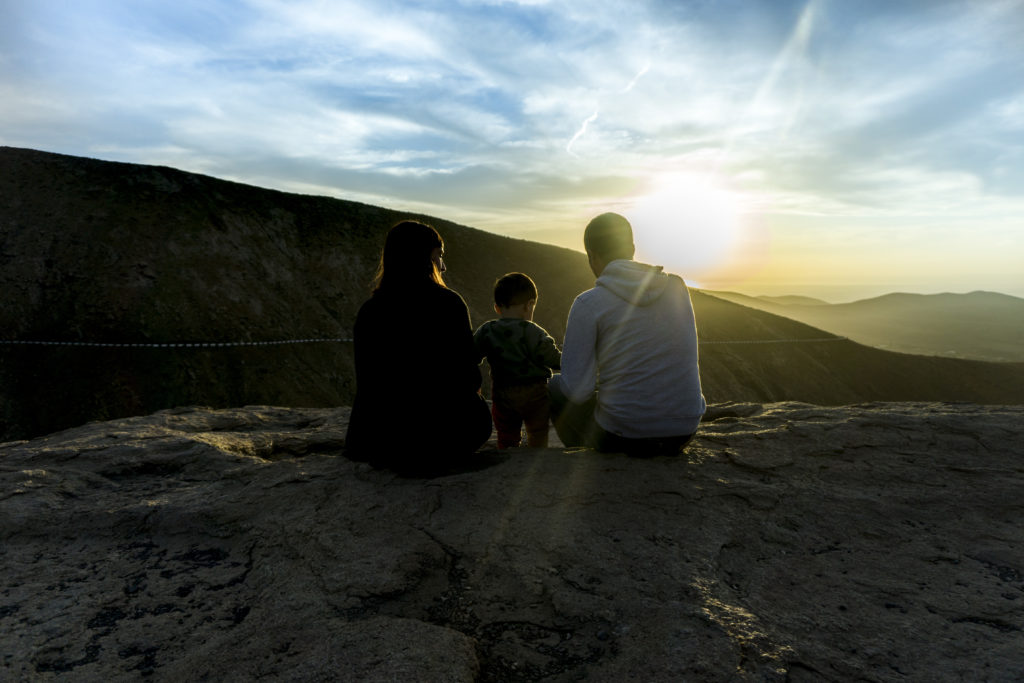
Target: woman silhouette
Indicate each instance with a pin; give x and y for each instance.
(417, 407)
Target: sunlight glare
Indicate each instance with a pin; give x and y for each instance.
(686, 223)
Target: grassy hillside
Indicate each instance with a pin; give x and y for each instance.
(94, 251)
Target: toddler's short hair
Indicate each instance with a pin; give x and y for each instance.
(513, 289)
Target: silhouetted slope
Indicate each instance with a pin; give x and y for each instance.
(94, 251)
(980, 325)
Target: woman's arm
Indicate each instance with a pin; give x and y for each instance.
(480, 343)
(462, 362)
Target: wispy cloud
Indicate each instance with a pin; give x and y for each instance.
(504, 113)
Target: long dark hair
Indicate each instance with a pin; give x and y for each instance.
(405, 261)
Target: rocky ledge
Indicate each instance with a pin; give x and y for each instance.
(875, 542)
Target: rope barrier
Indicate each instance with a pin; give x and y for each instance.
(209, 345)
(176, 345)
(774, 341)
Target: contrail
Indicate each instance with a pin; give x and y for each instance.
(593, 117)
(794, 49)
(583, 129)
(647, 67)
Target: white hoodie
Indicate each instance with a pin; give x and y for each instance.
(633, 339)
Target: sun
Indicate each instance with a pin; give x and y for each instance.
(687, 222)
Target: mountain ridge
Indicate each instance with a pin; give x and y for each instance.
(978, 325)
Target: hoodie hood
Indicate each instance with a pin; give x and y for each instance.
(635, 283)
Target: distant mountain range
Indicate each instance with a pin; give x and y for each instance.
(103, 252)
(979, 325)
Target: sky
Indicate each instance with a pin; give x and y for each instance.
(832, 148)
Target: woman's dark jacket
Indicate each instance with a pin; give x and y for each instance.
(417, 380)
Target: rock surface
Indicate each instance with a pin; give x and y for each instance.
(876, 542)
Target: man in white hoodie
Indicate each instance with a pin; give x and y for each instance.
(630, 380)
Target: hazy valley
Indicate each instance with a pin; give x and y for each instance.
(979, 325)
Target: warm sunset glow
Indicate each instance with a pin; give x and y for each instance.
(688, 222)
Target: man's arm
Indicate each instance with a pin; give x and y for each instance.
(578, 379)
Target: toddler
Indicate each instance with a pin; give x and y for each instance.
(521, 355)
